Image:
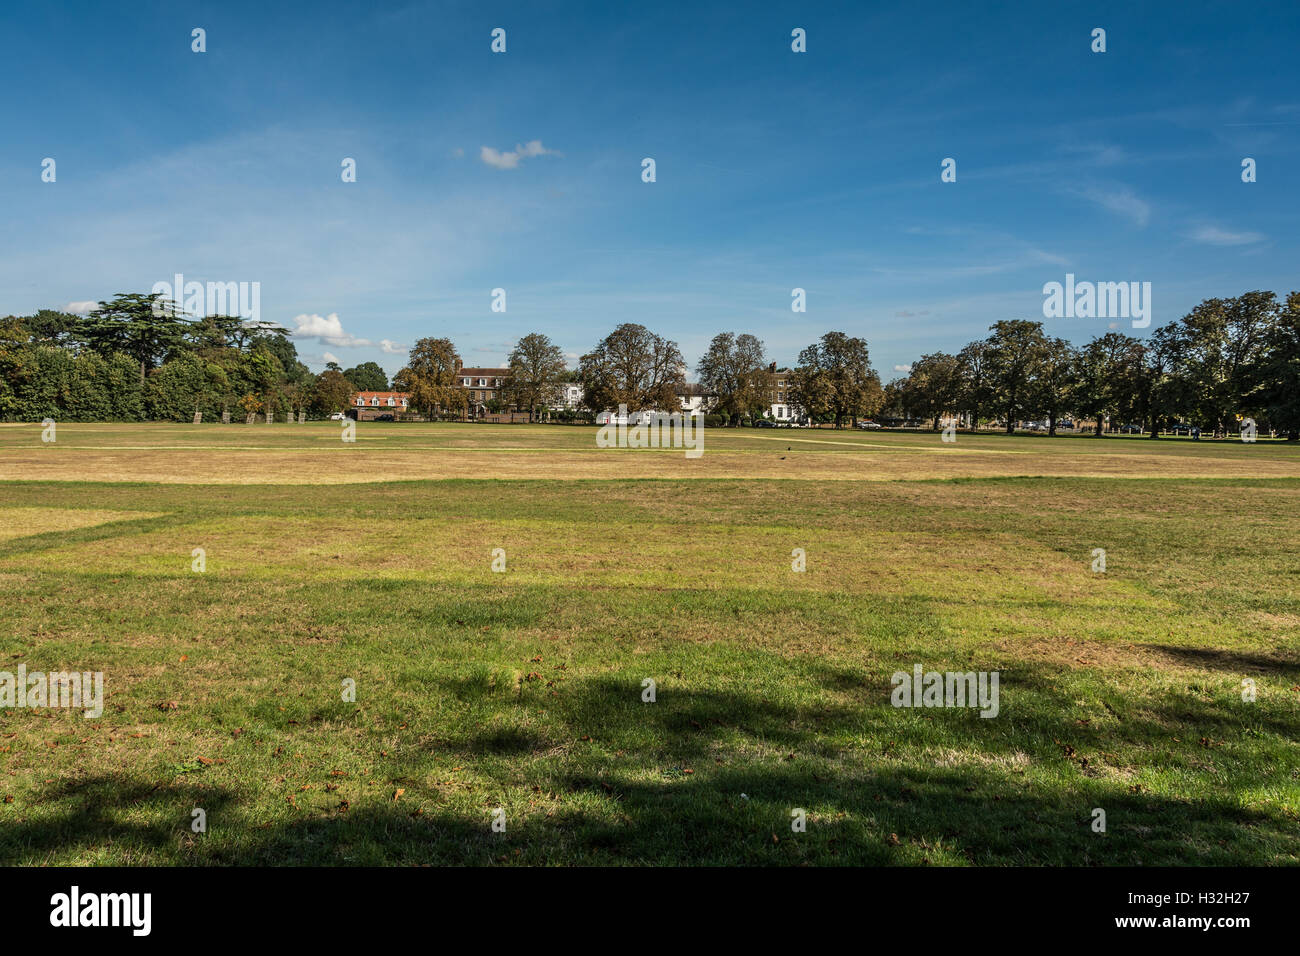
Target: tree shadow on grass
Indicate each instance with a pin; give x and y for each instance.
(146, 818)
(712, 776)
(1233, 662)
(871, 817)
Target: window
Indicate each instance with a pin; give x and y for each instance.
(360, 400)
(466, 382)
(781, 384)
(374, 401)
(482, 382)
(391, 401)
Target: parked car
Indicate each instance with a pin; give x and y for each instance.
(338, 417)
(763, 423)
(869, 425)
(1180, 429)
(1132, 430)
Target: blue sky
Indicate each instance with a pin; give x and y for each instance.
(775, 170)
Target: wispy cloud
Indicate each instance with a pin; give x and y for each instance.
(1122, 201)
(511, 157)
(80, 308)
(1097, 154)
(1214, 236)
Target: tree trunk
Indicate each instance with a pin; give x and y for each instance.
(1051, 424)
(1098, 431)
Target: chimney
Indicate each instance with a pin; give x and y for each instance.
(772, 367)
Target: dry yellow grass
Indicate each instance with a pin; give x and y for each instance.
(371, 463)
(20, 522)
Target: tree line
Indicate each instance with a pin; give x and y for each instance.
(642, 370)
(1226, 360)
(137, 357)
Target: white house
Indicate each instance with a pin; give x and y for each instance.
(570, 397)
(694, 399)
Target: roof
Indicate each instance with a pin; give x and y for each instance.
(484, 372)
(382, 396)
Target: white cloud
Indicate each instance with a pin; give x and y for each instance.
(326, 329)
(511, 157)
(389, 347)
(903, 368)
(1214, 236)
(328, 357)
(80, 308)
(1123, 202)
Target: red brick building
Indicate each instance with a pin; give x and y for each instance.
(481, 386)
(371, 406)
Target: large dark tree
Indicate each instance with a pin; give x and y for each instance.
(1273, 380)
(1015, 356)
(976, 387)
(1108, 377)
(48, 327)
(632, 366)
(1054, 384)
(145, 327)
(734, 368)
(934, 386)
(834, 378)
(430, 378)
(537, 369)
(331, 393)
(1211, 351)
(367, 377)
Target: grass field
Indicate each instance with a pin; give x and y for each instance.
(522, 690)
